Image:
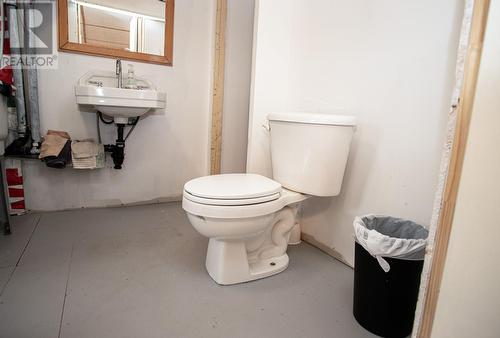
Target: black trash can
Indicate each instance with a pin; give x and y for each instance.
(384, 302)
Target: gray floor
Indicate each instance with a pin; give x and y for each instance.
(139, 272)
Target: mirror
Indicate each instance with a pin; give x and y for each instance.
(128, 29)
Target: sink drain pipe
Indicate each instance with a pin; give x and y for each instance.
(117, 150)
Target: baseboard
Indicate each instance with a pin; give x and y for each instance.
(117, 204)
(326, 249)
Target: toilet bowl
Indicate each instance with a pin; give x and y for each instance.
(243, 244)
(250, 219)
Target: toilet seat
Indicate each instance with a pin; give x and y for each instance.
(232, 187)
(286, 197)
(239, 201)
(236, 196)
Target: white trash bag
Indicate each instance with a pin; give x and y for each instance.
(384, 236)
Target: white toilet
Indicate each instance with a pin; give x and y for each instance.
(250, 219)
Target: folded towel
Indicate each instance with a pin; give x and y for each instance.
(52, 145)
(84, 149)
(87, 155)
(60, 133)
(62, 159)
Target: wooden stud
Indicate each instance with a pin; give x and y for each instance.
(464, 112)
(218, 88)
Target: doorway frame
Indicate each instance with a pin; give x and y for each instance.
(447, 197)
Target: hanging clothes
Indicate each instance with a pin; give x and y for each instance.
(6, 72)
(6, 81)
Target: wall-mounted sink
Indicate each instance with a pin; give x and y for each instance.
(103, 91)
(100, 90)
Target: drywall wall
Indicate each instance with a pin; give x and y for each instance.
(469, 300)
(270, 71)
(239, 34)
(166, 149)
(389, 63)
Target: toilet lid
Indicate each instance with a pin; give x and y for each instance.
(228, 202)
(233, 187)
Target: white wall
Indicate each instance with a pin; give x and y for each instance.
(391, 64)
(270, 72)
(165, 150)
(239, 34)
(469, 300)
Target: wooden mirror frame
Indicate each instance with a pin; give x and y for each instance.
(67, 46)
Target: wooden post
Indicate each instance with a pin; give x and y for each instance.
(218, 88)
(464, 112)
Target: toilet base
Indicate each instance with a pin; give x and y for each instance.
(227, 263)
(268, 267)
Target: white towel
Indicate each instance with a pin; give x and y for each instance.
(87, 155)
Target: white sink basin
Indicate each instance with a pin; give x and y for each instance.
(100, 90)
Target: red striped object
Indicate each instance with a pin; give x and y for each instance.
(16, 192)
(13, 178)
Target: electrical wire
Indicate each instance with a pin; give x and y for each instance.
(98, 128)
(133, 124)
(103, 120)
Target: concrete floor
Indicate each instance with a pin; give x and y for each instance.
(139, 272)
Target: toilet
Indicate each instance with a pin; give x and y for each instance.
(250, 219)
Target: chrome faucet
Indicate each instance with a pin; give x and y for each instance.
(119, 72)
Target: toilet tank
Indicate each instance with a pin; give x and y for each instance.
(309, 151)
